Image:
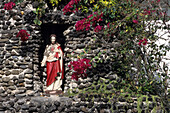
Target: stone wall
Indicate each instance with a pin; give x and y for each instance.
(81, 104)
(17, 58)
(21, 74)
(20, 63)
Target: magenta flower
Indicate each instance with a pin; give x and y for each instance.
(135, 21)
(80, 67)
(88, 26)
(158, 1)
(23, 35)
(80, 25)
(143, 41)
(70, 6)
(94, 24)
(74, 77)
(90, 16)
(147, 12)
(9, 6)
(108, 24)
(98, 28)
(86, 23)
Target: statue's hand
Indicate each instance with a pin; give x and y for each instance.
(44, 61)
(42, 64)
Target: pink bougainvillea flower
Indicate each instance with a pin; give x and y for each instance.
(143, 41)
(135, 21)
(87, 26)
(140, 41)
(93, 24)
(24, 38)
(158, 1)
(100, 19)
(23, 35)
(9, 6)
(108, 24)
(90, 16)
(72, 6)
(98, 28)
(74, 77)
(94, 18)
(80, 25)
(148, 12)
(91, 20)
(80, 67)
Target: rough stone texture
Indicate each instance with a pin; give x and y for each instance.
(22, 80)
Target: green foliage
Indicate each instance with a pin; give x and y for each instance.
(40, 10)
(18, 1)
(136, 62)
(37, 21)
(125, 23)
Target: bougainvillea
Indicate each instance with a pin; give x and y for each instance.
(23, 35)
(143, 41)
(9, 6)
(91, 20)
(79, 68)
(71, 6)
(148, 12)
(98, 28)
(135, 21)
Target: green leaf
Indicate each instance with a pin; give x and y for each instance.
(37, 21)
(81, 53)
(35, 12)
(96, 57)
(85, 1)
(18, 1)
(38, 8)
(99, 53)
(101, 61)
(94, 64)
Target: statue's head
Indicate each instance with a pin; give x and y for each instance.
(53, 38)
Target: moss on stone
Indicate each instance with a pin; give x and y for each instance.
(104, 94)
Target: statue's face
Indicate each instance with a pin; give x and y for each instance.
(52, 39)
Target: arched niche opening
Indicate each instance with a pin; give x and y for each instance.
(46, 30)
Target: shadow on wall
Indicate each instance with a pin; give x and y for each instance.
(46, 31)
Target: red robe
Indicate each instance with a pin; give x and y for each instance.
(54, 67)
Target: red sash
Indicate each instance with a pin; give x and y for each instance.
(53, 68)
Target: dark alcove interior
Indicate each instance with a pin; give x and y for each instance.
(46, 31)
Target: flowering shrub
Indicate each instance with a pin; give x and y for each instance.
(72, 6)
(98, 28)
(143, 41)
(126, 22)
(91, 20)
(23, 35)
(9, 6)
(135, 21)
(79, 68)
(148, 12)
